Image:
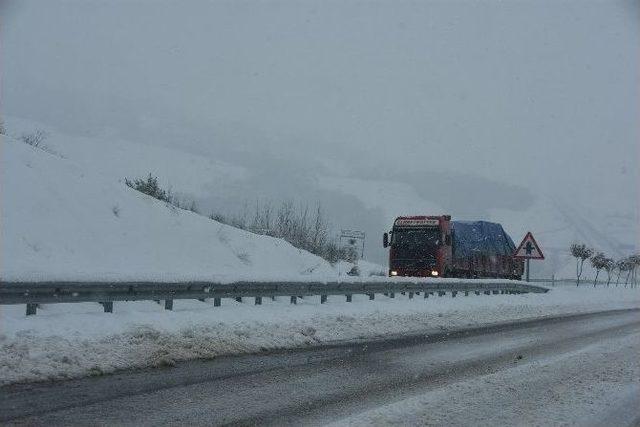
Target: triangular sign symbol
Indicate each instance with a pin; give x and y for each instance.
(529, 248)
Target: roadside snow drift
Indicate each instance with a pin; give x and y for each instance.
(63, 221)
(74, 340)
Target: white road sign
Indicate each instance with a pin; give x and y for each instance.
(529, 248)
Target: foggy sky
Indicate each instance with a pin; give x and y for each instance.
(515, 99)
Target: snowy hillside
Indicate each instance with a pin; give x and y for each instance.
(64, 218)
(223, 185)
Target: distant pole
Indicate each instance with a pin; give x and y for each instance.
(528, 269)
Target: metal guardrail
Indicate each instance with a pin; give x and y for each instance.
(106, 293)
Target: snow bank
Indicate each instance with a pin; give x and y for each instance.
(61, 220)
(73, 340)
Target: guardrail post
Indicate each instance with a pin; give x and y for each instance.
(108, 306)
(31, 309)
(217, 302)
(239, 299)
(323, 299)
(410, 295)
(293, 299)
(349, 297)
(372, 297)
(258, 301)
(168, 304)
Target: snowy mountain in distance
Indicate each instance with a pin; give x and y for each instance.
(368, 204)
(64, 220)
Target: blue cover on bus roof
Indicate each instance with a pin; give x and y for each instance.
(475, 237)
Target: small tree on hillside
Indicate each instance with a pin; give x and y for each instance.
(35, 138)
(581, 253)
(598, 262)
(148, 186)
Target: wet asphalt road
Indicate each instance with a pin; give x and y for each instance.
(309, 386)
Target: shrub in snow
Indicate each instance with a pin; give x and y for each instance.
(34, 139)
(3, 130)
(148, 186)
(301, 226)
(193, 207)
(581, 253)
(355, 271)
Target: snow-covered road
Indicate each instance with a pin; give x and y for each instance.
(72, 340)
(573, 370)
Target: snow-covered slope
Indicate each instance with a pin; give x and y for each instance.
(66, 219)
(555, 222)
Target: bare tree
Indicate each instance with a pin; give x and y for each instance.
(620, 264)
(609, 266)
(295, 223)
(598, 262)
(262, 222)
(633, 262)
(319, 237)
(148, 186)
(581, 253)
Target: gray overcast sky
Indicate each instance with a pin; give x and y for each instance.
(541, 94)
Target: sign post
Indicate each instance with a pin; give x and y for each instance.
(352, 237)
(528, 250)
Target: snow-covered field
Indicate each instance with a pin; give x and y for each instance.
(72, 340)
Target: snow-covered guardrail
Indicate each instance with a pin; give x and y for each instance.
(33, 293)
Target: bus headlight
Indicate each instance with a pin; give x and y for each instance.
(434, 273)
(394, 273)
